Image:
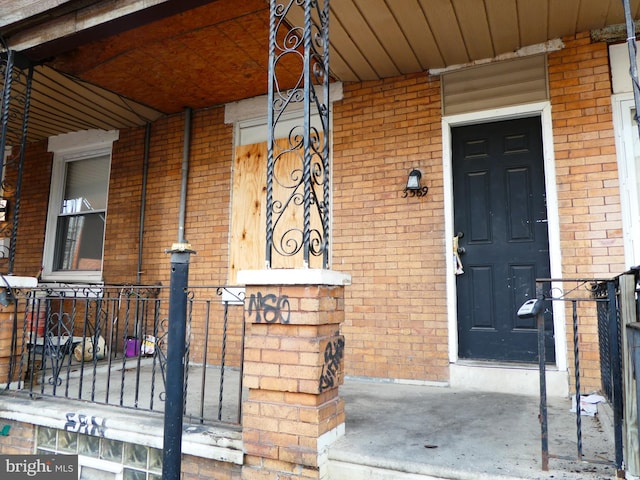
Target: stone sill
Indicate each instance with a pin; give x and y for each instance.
(293, 276)
(220, 443)
(18, 282)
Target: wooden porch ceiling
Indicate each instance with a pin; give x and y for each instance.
(218, 52)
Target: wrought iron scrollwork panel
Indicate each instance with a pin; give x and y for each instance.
(298, 166)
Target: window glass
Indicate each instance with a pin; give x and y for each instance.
(86, 183)
(80, 224)
(102, 458)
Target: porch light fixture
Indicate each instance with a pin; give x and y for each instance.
(413, 187)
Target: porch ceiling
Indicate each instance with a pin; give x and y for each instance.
(218, 52)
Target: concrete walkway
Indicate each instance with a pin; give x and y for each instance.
(400, 432)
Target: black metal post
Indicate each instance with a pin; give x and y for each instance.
(6, 60)
(23, 150)
(576, 363)
(177, 329)
(615, 345)
(544, 434)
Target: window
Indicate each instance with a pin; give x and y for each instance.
(76, 221)
(102, 458)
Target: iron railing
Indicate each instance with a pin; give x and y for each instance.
(107, 345)
(587, 298)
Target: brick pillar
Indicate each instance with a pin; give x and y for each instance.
(293, 365)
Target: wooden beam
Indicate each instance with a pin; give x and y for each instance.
(14, 11)
(54, 35)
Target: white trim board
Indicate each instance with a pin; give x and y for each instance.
(508, 379)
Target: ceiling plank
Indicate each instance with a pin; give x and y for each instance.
(499, 14)
(343, 45)
(384, 26)
(417, 32)
(592, 14)
(362, 35)
(472, 18)
(444, 25)
(563, 17)
(533, 21)
(616, 11)
(340, 68)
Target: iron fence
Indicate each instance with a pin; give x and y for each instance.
(107, 345)
(599, 299)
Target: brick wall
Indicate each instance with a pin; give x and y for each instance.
(207, 210)
(33, 206)
(396, 318)
(586, 165)
(20, 439)
(587, 179)
(197, 468)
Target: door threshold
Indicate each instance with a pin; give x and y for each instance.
(521, 379)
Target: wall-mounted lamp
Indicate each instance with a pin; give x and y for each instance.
(413, 187)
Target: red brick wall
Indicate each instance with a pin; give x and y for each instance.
(586, 168)
(33, 209)
(396, 318)
(20, 440)
(587, 179)
(197, 468)
(123, 213)
(208, 196)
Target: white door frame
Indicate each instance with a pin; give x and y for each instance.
(542, 110)
(627, 147)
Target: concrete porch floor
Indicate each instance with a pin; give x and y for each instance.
(396, 431)
(410, 432)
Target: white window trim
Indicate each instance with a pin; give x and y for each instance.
(624, 131)
(103, 465)
(69, 147)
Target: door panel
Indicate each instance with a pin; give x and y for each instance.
(499, 202)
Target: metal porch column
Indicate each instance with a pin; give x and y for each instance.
(16, 73)
(307, 185)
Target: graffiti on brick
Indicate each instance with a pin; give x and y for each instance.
(333, 354)
(270, 308)
(85, 424)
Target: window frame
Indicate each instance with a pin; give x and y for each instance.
(626, 149)
(117, 469)
(68, 148)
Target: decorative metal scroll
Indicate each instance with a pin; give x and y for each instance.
(16, 75)
(298, 167)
